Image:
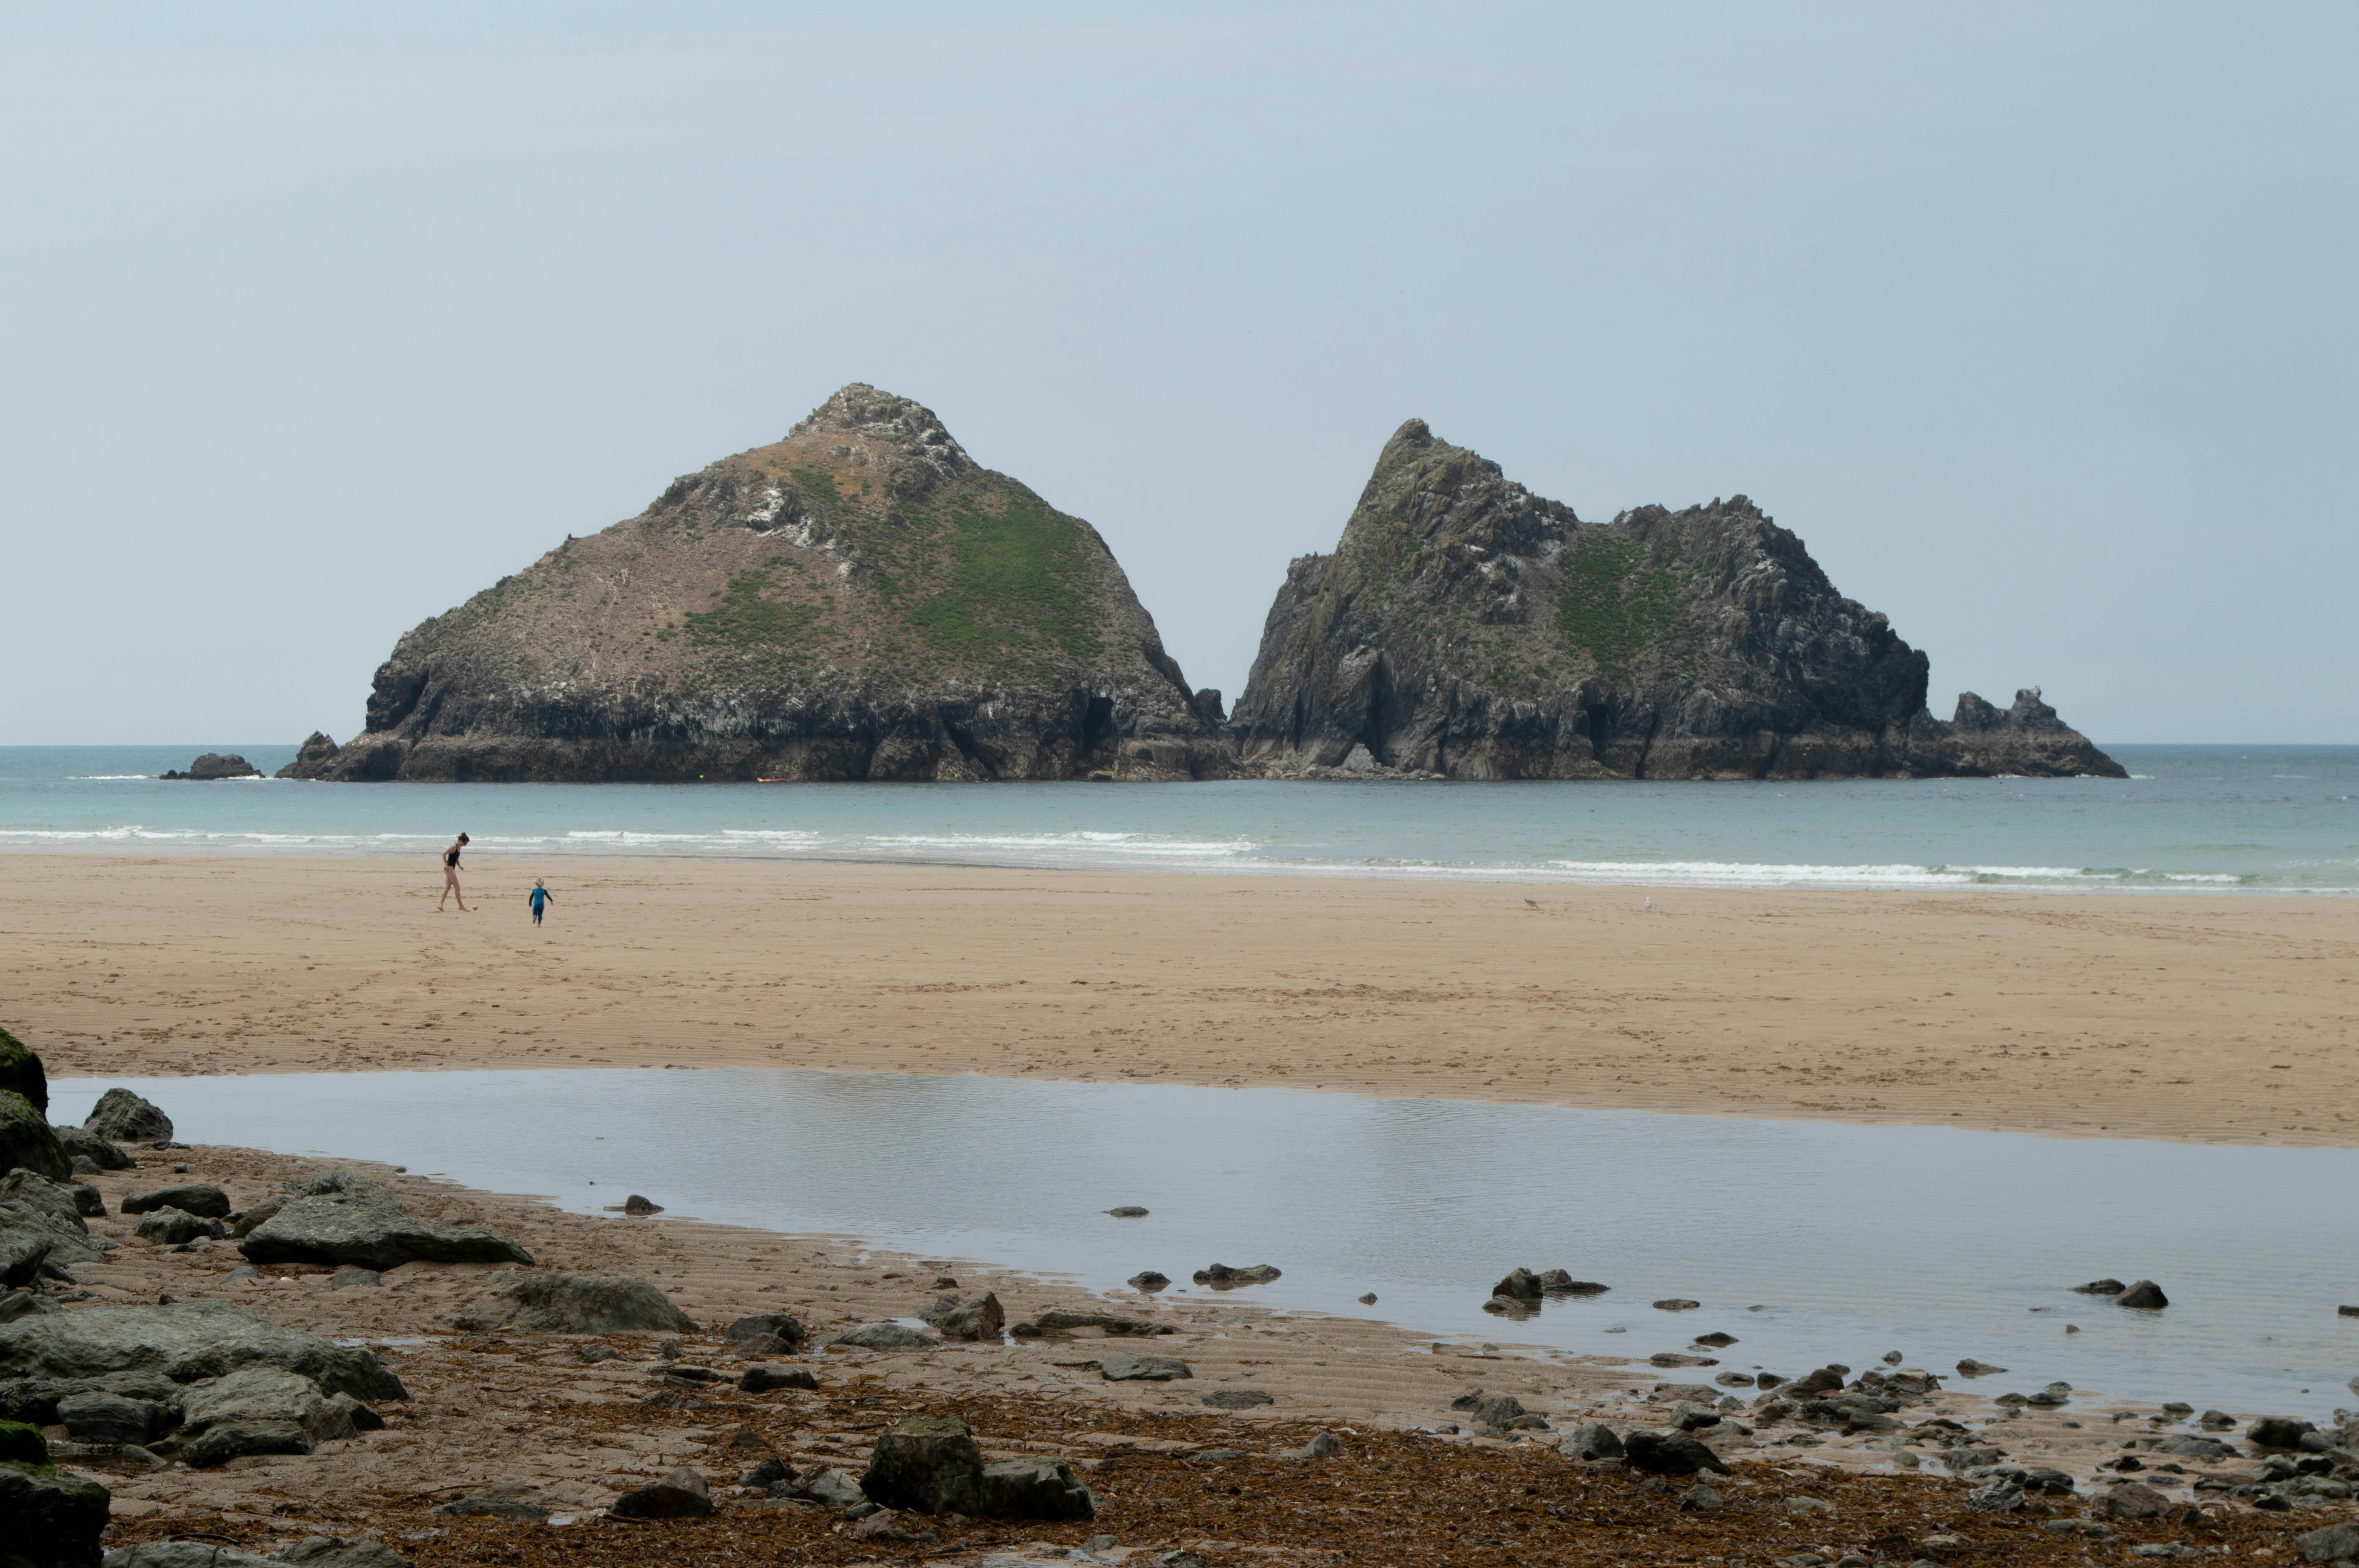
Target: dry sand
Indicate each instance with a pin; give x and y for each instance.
(2205, 1018)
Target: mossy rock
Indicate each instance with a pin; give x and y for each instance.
(27, 1142)
(23, 1444)
(51, 1517)
(21, 1073)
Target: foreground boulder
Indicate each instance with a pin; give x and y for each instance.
(927, 1465)
(1467, 627)
(2278, 1431)
(170, 1227)
(201, 1198)
(1123, 1368)
(265, 1394)
(339, 1217)
(782, 1326)
(96, 1416)
(1668, 1453)
(25, 1141)
(1591, 1440)
(2336, 1543)
(81, 1143)
(41, 1225)
(578, 1303)
(981, 1318)
(681, 1494)
(48, 1519)
(932, 1465)
(886, 1337)
(2144, 1293)
(124, 1118)
(185, 1342)
(21, 1073)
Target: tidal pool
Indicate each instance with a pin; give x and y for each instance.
(1808, 1242)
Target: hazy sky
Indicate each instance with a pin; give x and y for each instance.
(2037, 322)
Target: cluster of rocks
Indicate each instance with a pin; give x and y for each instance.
(2145, 1294)
(1220, 1277)
(202, 1381)
(1522, 1291)
(54, 1519)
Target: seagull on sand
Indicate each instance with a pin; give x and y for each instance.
(1534, 903)
(1648, 904)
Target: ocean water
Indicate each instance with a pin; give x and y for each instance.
(1808, 1241)
(2191, 820)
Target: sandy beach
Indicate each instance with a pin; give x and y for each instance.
(2202, 1018)
(2208, 1019)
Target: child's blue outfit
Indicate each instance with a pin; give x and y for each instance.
(539, 902)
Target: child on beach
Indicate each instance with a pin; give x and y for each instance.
(541, 898)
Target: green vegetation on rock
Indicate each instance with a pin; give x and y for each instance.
(23, 1444)
(21, 1071)
(1017, 577)
(27, 1142)
(817, 482)
(1613, 605)
(746, 620)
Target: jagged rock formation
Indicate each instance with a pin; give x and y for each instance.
(1468, 628)
(859, 600)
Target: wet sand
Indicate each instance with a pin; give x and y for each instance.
(2202, 1018)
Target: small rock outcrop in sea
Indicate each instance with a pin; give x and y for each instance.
(216, 765)
(1469, 629)
(859, 600)
(311, 758)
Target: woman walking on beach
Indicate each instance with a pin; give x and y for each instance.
(450, 875)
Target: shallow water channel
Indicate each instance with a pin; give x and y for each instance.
(1808, 1242)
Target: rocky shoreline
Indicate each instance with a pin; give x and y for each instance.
(289, 1356)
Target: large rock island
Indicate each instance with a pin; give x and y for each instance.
(859, 600)
(1468, 628)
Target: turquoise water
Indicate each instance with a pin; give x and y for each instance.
(2193, 819)
(1808, 1241)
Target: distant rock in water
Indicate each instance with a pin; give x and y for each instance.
(217, 765)
(311, 760)
(1467, 627)
(859, 600)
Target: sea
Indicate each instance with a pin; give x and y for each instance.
(2195, 819)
